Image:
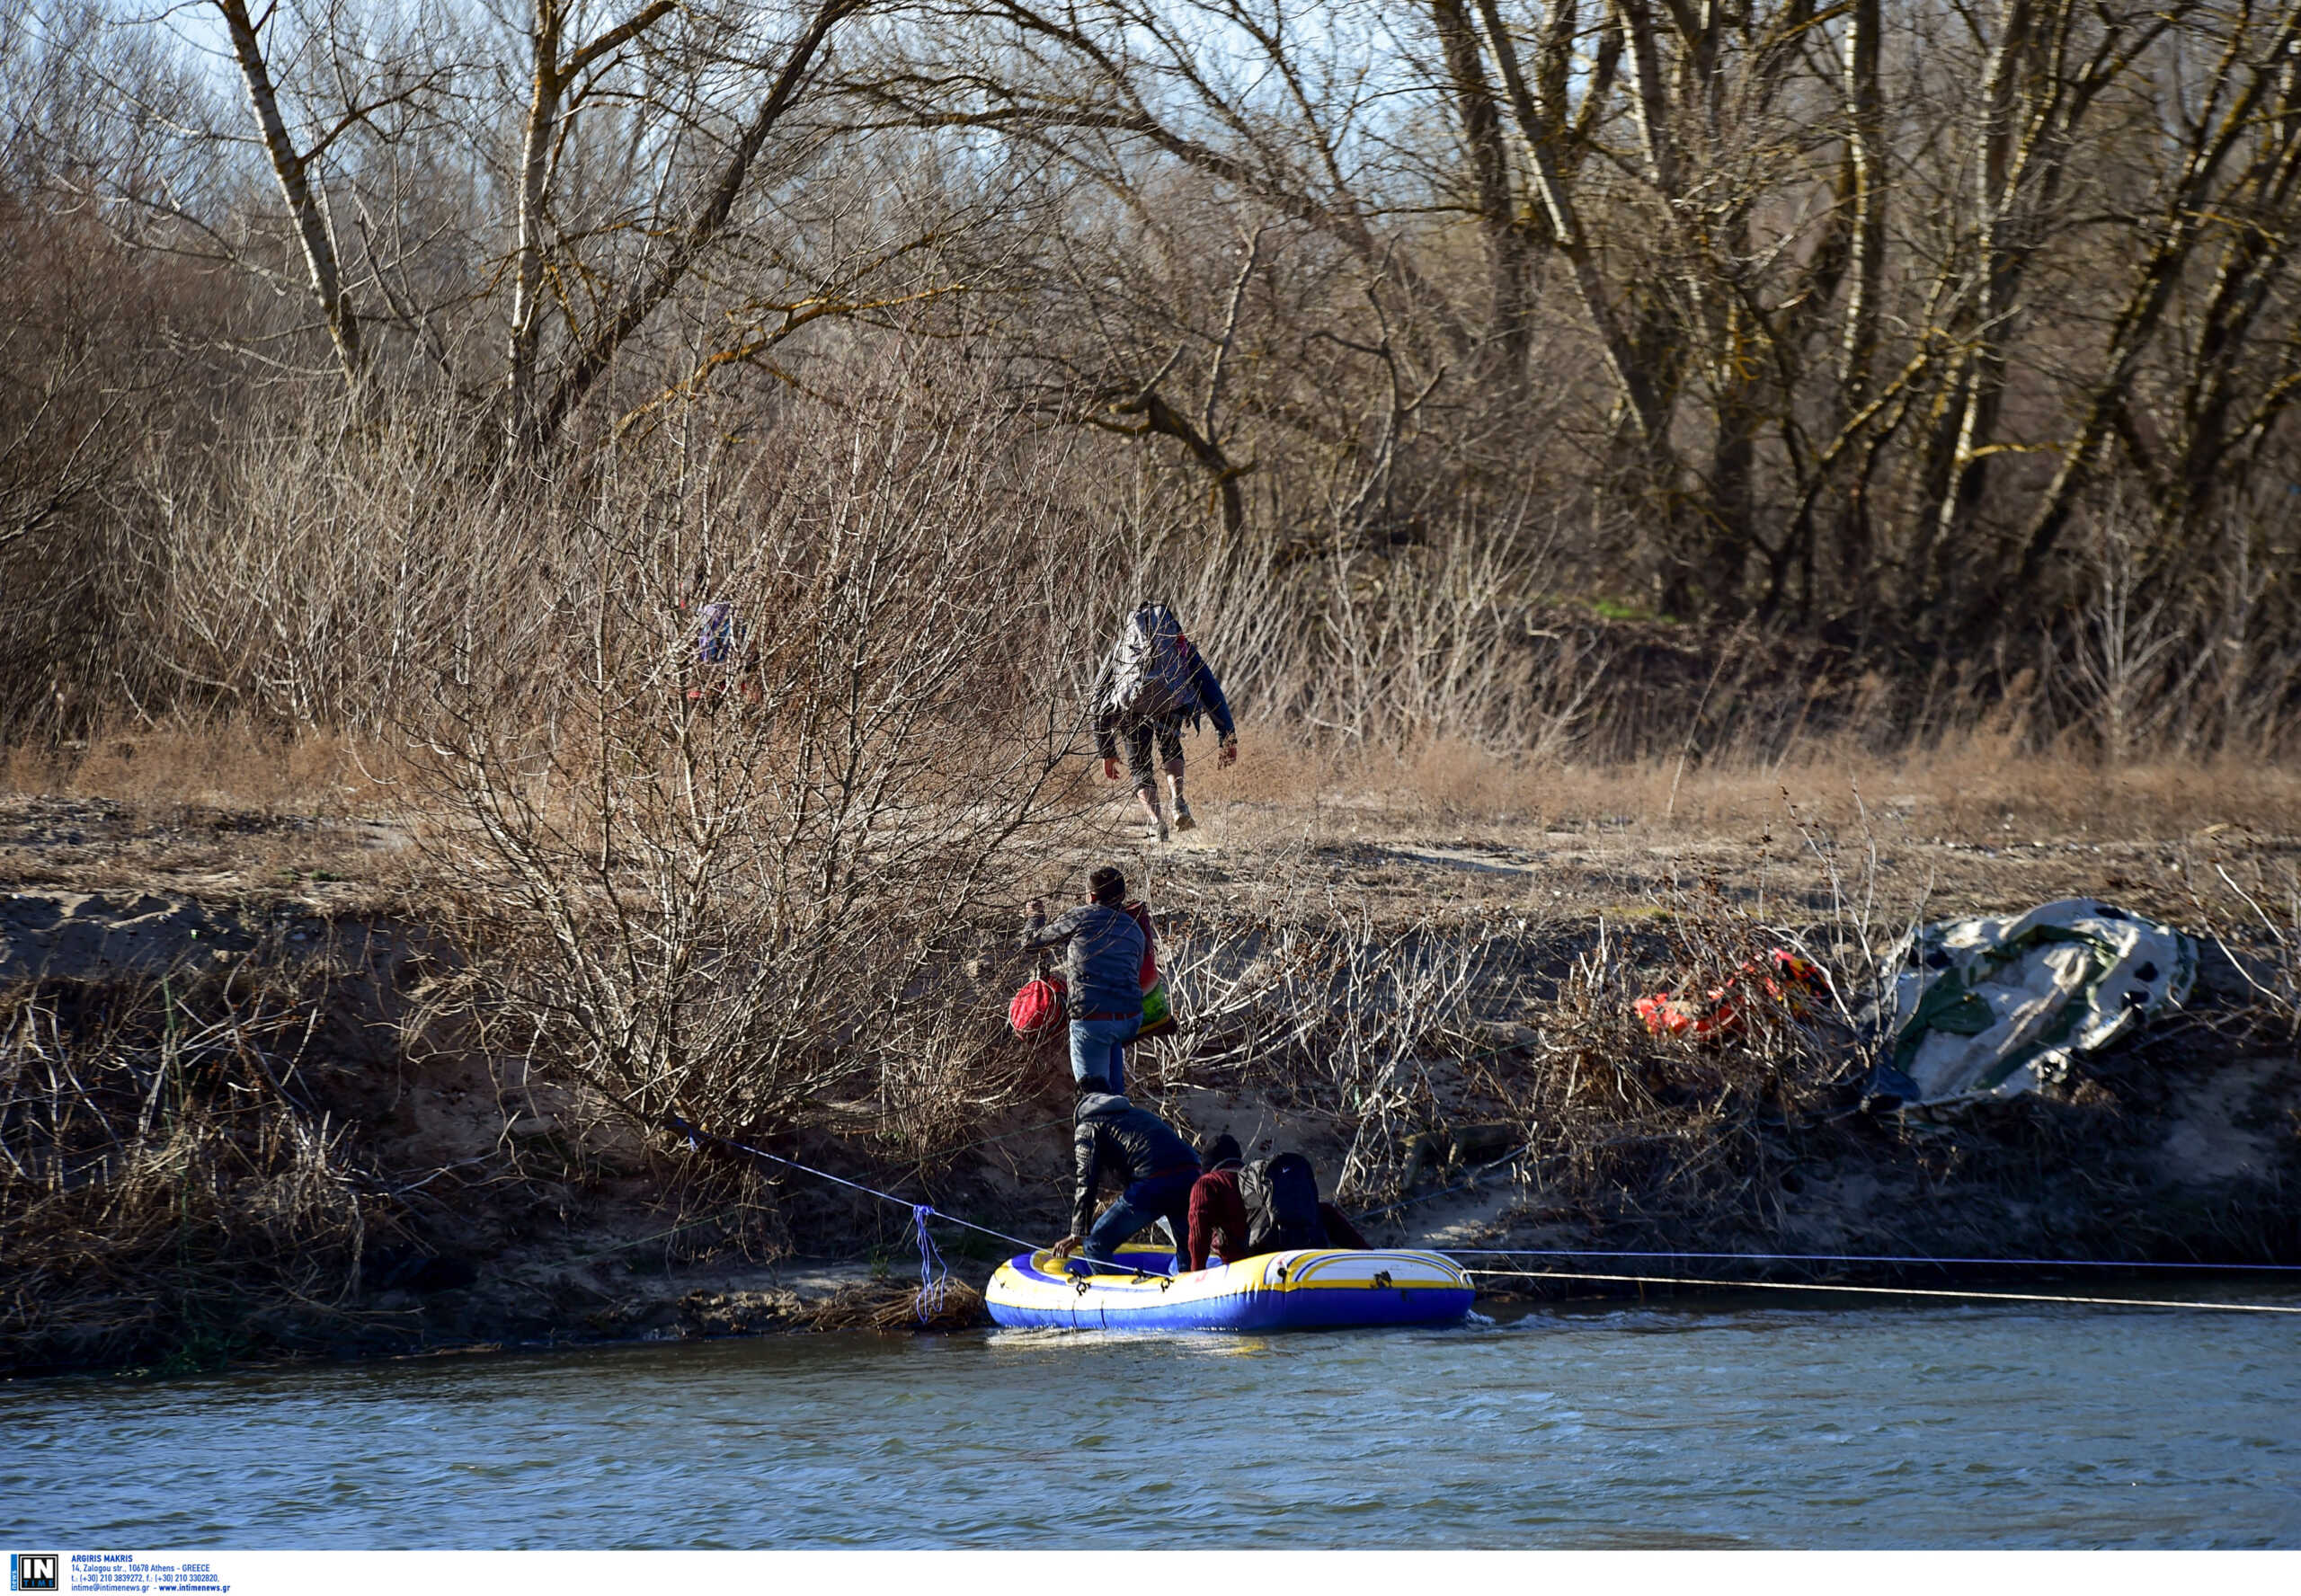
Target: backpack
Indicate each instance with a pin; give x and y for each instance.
(716, 634)
(1158, 1011)
(1282, 1200)
(1152, 671)
(1139, 913)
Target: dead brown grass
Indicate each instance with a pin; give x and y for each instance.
(1976, 788)
(229, 763)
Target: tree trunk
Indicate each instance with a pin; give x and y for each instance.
(304, 210)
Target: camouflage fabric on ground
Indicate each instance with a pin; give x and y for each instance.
(1993, 1008)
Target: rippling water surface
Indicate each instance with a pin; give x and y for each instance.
(1976, 1427)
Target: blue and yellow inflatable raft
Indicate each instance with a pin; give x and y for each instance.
(1312, 1288)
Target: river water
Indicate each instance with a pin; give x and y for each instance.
(1987, 1426)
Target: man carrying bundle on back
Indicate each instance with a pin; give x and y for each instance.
(1151, 683)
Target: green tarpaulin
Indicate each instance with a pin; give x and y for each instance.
(1996, 1007)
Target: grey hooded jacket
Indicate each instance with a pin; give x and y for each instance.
(1103, 961)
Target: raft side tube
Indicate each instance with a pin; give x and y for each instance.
(1301, 1290)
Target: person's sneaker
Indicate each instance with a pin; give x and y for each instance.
(1159, 829)
(1183, 821)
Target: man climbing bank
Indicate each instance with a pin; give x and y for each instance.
(1152, 682)
(1103, 956)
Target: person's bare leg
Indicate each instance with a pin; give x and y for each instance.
(1173, 766)
(1149, 796)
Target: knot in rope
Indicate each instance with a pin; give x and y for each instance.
(934, 1274)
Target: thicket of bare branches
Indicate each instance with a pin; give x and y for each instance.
(1408, 1032)
(742, 885)
(165, 1185)
(1950, 349)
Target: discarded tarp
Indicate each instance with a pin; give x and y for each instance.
(1996, 1007)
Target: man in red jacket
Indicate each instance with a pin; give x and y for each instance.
(1218, 1214)
(1219, 1220)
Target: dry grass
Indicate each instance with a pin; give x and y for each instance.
(167, 1192)
(1971, 789)
(228, 764)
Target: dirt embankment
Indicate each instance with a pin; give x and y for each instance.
(238, 1124)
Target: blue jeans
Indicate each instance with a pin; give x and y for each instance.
(1158, 1197)
(1098, 1046)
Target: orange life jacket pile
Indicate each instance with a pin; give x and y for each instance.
(1787, 979)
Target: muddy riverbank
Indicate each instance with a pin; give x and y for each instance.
(278, 1137)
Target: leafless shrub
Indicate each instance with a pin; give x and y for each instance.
(2247, 901)
(165, 1190)
(1314, 1000)
(1396, 1028)
(739, 888)
(317, 582)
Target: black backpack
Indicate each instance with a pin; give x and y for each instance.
(1282, 1201)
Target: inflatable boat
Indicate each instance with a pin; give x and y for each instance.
(1310, 1289)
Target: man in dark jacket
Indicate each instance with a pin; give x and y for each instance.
(1103, 947)
(1112, 1137)
(1205, 699)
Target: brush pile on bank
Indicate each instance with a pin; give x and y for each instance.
(1402, 1034)
(167, 1191)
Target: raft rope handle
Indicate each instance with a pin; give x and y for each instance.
(1666, 1280)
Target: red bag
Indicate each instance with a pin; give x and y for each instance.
(1036, 1008)
(1140, 914)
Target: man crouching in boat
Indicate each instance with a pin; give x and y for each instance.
(1243, 1219)
(1112, 1136)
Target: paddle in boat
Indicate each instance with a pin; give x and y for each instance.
(1305, 1289)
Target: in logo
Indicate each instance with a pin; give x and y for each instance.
(32, 1571)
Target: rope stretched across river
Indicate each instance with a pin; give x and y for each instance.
(1668, 1279)
(934, 1272)
(1856, 1258)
